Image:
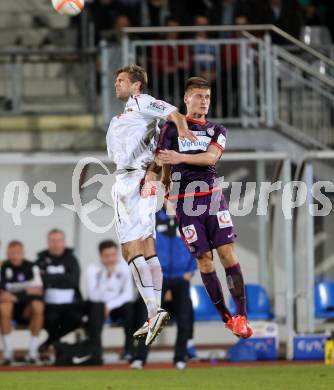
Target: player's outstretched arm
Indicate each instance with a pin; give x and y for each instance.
(210, 157)
(182, 126)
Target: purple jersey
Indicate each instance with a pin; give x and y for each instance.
(207, 133)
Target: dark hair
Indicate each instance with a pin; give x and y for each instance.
(136, 73)
(106, 245)
(202, 15)
(197, 82)
(14, 243)
(56, 231)
(171, 18)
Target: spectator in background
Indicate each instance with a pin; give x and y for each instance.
(186, 12)
(104, 14)
(116, 34)
(169, 65)
(109, 282)
(329, 16)
(60, 273)
(154, 12)
(21, 300)
(230, 71)
(311, 12)
(284, 14)
(318, 13)
(223, 13)
(205, 57)
(132, 8)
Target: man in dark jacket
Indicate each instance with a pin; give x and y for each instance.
(60, 273)
(21, 300)
(284, 14)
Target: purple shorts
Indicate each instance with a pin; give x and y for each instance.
(210, 227)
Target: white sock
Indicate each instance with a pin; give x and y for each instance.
(7, 344)
(156, 273)
(33, 347)
(142, 275)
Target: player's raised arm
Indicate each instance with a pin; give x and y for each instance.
(163, 110)
(182, 126)
(210, 157)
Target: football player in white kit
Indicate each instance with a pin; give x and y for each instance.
(131, 141)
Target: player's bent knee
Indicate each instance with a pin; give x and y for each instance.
(125, 253)
(206, 268)
(205, 263)
(131, 250)
(227, 255)
(6, 309)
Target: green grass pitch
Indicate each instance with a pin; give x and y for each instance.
(300, 377)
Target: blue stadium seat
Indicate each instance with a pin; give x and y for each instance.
(324, 299)
(204, 310)
(258, 305)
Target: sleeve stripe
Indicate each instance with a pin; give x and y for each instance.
(137, 103)
(217, 145)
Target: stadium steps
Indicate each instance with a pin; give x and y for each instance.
(61, 128)
(50, 132)
(30, 22)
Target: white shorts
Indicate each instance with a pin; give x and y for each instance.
(134, 215)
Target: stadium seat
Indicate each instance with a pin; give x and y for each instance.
(324, 299)
(258, 305)
(204, 310)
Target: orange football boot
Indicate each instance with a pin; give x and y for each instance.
(229, 324)
(241, 327)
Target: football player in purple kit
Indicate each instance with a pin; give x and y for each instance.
(202, 212)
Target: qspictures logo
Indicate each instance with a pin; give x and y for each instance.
(244, 197)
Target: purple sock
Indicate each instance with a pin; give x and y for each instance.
(214, 289)
(235, 283)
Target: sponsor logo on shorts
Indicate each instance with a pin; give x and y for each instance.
(190, 233)
(224, 219)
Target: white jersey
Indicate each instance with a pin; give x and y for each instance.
(132, 136)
